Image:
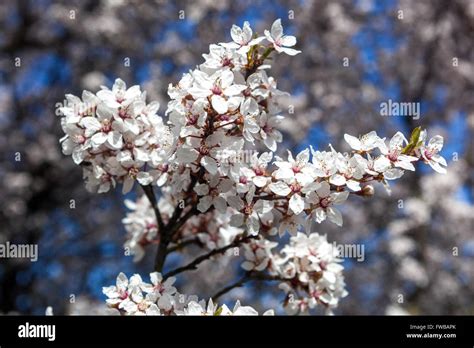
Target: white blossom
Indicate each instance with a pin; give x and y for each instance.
(430, 152)
(242, 38)
(281, 42)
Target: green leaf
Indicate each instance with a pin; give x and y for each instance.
(414, 141)
(415, 135)
(218, 311)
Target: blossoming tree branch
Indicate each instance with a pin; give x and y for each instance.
(198, 189)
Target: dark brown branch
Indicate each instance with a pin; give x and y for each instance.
(174, 224)
(249, 276)
(228, 288)
(181, 244)
(152, 198)
(193, 265)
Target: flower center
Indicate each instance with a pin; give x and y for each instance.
(393, 156)
(216, 89)
(324, 202)
(105, 177)
(106, 126)
(163, 167)
(203, 150)
(248, 209)
(79, 138)
(267, 128)
(122, 113)
(226, 61)
(142, 306)
(123, 294)
(295, 187)
(192, 120)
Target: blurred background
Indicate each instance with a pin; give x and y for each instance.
(407, 51)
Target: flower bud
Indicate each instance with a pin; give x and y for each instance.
(367, 191)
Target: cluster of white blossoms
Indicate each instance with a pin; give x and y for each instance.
(309, 187)
(135, 297)
(141, 226)
(308, 269)
(116, 137)
(213, 197)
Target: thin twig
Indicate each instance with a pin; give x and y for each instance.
(237, 284)
(249, 276)
(148, 189)
(193, 265)
(182, 244)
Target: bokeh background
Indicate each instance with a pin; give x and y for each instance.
(425, 53)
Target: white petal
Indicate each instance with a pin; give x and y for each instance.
(245, 310)
(277, 29)
(280, 188)
(186, 155)
(334, 215)
(263, 206)
(381, 164)
(437, 168)
(270, 143)
(204, 204)
(98, 139)
(436, 143)
(237, 220)
(115, 140)
(236, 202)
(219, 104)
(290, 51)
(259, 181)
(236, 33)
(144, 178)
(210, 164)
(227, 77)
(201, 189)
(320, 215)
(296, 204)
(92, 125)
(393, 174)
(234, 90)
(397, 141)
(132, 126)
(352, 141)
(337, 180)
(324, 190)
(220, 204)
(127, 185)
(288, 41)
(122, 281)
(439, 159)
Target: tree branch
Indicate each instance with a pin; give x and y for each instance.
(193, 265)
(173, 225)
(249, 276)
(148, 189)
(182, 244)
(228, 288)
